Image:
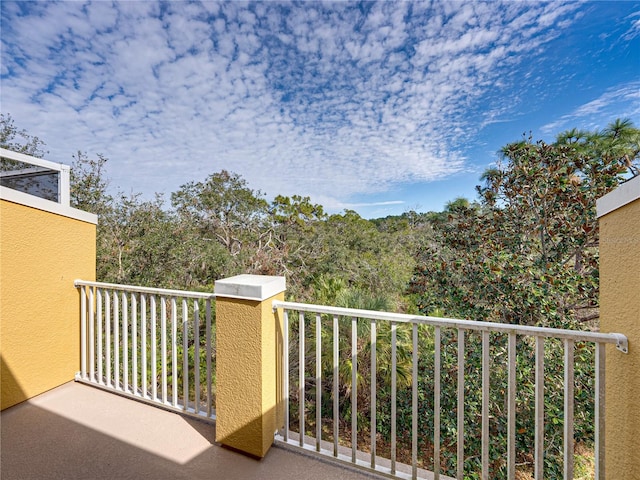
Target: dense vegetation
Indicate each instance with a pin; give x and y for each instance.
(525, 251)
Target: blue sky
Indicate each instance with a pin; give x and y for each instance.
(376, 107)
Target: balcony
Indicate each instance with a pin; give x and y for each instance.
(164, 378)
(158, 347)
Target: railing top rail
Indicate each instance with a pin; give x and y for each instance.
(618, 339)
(153, 291)
(40, 162)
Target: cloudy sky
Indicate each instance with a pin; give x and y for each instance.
(380, 107)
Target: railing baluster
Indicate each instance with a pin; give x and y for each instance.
(568, 409)
(414, 403)
(599, 411)
(125, 342)
(511, 407)
(83, 332)
(116, 341)
(185, 354)
(394, 386)
(336, 404)
(485, 405)
(143, 342)
(301, 378)
(539, 411)
(460, 407)
(107, 342)
(208, 351)
(163, 346)
(318, 382)
(100, 339)
(92, 338)
(134, 337)
(174, 352)
(285, 386)
(153, 346)
(436, 403)
(354, 388)
(374, 368)
(196, 356)
(115, 352)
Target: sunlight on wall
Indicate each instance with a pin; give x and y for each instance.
(41, 254)
(619, 214)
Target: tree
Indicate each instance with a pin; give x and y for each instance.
(528, 254)
(223, 207)
(222, 212)
(135, 242)
(89, 184)
(16, 140)
(44, 185)
(459, 203)
(621, 141)
(291, 246)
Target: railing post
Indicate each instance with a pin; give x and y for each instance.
(619, 216)
(64, 185)
(247, 332)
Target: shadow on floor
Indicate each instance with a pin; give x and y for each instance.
(79, 432)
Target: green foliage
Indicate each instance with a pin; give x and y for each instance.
(296, 211)
(223, 208)
(528, 253)
(89, 184)
(16, 140)
(361, 255)
(291, 245)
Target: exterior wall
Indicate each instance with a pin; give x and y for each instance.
(41, 254)
(620, 313)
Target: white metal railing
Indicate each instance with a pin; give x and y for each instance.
(333, 353)
(152, 344)
(38, 167)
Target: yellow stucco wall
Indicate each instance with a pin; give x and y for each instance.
(41, 254)
(620, 312)
(246, 374)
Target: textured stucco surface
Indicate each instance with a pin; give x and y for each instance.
(620, 312)
(246, 374)
(41, 254)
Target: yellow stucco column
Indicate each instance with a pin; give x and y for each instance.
(619, 215)
(247, 336)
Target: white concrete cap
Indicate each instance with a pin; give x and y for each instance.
(626, 193)
(250, 287)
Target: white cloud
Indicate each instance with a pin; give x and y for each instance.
(621, 102)
(314, 99)
(634, 29)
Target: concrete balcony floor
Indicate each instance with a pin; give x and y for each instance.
(79, 432)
